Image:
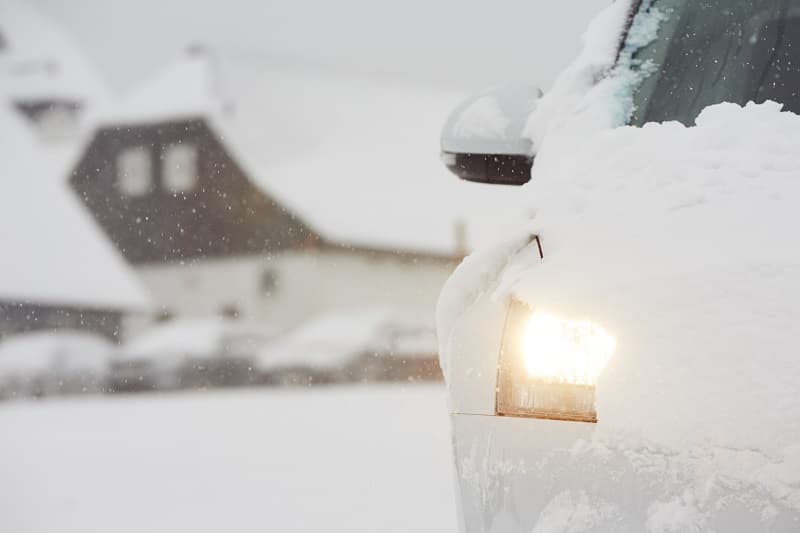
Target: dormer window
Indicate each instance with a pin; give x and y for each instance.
(134, 171)
(179, 170)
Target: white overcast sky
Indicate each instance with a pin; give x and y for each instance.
(462, 44)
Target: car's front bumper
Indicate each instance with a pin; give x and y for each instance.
(502, 467)
(526, 475)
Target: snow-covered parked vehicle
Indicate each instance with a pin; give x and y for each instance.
(629, 360)
(52, 363)
(353, 346)
(191, 353)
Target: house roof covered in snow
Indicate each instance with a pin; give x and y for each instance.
(53, 251)
(188, 87)
(357, 159)
(38, 61)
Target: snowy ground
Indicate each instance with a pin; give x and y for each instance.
(335, 459)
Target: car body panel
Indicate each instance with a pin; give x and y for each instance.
(520, 476)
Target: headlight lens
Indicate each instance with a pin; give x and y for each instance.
(549, 366)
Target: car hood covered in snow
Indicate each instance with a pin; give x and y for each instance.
(680, 241)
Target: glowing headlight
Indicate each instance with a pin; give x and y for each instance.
(549, 366)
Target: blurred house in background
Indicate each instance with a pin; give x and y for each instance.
(295, 222)
(210, 230)
(58, 271)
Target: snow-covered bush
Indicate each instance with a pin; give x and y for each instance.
(191, 353)
(357, 345)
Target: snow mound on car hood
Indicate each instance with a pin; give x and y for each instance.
(680, 242)
(722, 192)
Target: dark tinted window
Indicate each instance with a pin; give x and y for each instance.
(715, 51)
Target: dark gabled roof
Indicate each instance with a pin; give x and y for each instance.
(355, 159)
(225, 214)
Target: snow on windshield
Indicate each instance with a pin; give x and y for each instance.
(587, 79)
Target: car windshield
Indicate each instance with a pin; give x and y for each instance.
(712, 51)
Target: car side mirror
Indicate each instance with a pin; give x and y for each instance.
(483, 139)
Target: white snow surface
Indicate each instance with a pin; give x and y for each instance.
(350, 460)
(335, 150)
(63, 352)
(483, 118)
(330, 341)
(53, 250)
(492, 121)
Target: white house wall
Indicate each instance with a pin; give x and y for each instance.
(306, 283)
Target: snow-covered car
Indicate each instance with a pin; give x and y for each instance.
(352, 346)
(628, 361)
(191, 353)
(53, 362)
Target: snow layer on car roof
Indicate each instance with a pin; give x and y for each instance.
(356, 159)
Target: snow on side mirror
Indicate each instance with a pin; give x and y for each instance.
(483, 140)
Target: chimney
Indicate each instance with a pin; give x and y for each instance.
(216, 84)
(460, 238)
